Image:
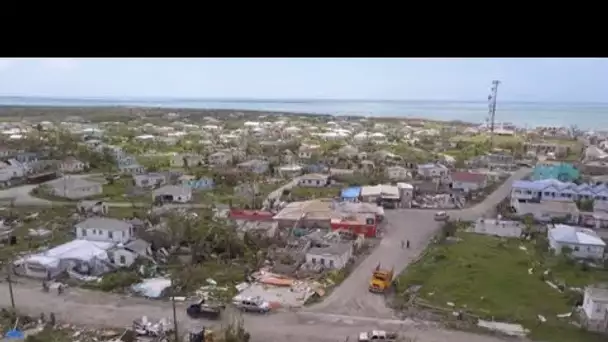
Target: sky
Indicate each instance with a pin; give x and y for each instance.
(546, 80)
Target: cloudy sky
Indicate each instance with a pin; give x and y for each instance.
(560, 80)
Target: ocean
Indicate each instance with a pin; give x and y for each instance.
(590, 116)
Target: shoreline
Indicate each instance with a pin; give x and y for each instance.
(587, 116)
(34, 111)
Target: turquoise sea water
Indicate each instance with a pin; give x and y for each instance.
(584, 115)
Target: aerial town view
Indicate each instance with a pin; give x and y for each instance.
(139, 218)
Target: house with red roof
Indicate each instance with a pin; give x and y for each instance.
(250, 215)
(468, 181)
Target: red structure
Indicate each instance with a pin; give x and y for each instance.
(365, 224)
(250, 215)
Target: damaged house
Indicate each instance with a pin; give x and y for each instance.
(594, 311)
(86, 257)
(333, 256)
(102, 244)
(254, 221)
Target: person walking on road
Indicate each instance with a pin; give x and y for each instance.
(408, 244)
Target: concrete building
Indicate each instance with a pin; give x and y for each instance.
(365, 224)
(75, 188)
(335, 256)
(313, 180)
(512, 229)
(398, 173)
(546, 211)
(468, 181)
(406, 193)
(104, 229)
(152, 179)
(173, 193)
(583, 242)
(554, 190)
(433, 170)
(594, 313)
(72, 165)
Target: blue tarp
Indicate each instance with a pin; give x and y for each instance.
(352, 192)
(14, 334)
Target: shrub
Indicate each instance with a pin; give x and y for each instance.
(118, 280)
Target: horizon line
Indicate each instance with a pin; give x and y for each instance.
(245, 99)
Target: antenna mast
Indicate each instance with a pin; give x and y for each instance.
(492, 110)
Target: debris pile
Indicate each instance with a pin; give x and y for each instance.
(144, 327)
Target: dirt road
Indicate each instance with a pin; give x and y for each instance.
(82, 307)
(416, 225)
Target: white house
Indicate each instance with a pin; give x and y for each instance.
(397, 173)
(192, 160)
(512, 229)
(313, 180)
(124, 255)
(173, 193)
(584, 243)
(554, 190)
(104, 229)
(12, 169)
(150, 179)
(335, 256)
(433, 170)
(595, 309)
(306, 151)
(87, 256)
(71, 164)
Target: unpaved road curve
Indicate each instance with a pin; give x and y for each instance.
(82, 307)
(417, 225)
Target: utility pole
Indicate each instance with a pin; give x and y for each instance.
(9, 277)
(174, 309)
(492, 110)
(10, 283)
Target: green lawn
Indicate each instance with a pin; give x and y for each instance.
(488, 277)
(305, 193)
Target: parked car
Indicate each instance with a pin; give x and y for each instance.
(204, 310)
(377, 335)
(442, 216)
(252, 304)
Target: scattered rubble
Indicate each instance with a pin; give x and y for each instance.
(516, 330)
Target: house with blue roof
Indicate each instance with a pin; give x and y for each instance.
(350, 194)
(564, 172)
(553, 190)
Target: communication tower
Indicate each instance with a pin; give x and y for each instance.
(492, 110)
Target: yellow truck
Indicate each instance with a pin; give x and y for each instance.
(381, 280)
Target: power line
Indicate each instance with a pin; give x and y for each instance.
(492, 110)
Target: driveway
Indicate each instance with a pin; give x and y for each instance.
(416, 225)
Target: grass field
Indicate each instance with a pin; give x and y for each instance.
(488, 277)
(498, 139)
